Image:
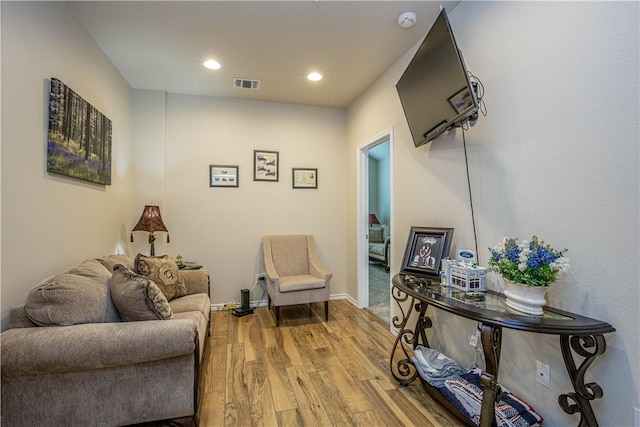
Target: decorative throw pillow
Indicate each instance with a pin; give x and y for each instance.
(164, 273)
(79, 294)
(376, 235)
(111, 261)
(136, 297)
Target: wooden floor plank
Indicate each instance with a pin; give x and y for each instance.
(290, 348)
(348, 386)
(437, 415)
(262, 411)
(216, 365)
(312, 408)
(368, 419)
(236, 414)
(281, 389)
(337, 409)
(235, 385)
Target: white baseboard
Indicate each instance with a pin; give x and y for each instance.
(264, 303)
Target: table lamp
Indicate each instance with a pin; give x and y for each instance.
(150, 221)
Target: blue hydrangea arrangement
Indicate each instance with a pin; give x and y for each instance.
(532, 263)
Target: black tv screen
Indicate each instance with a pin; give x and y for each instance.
(435, 90)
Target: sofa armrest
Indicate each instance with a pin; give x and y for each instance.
(196, 281)
(55, 349)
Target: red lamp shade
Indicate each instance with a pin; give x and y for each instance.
(150, 221)
(373, 219)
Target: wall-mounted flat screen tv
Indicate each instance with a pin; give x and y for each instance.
(435, 90)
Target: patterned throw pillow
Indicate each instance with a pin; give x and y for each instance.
(163, 271)
(136, 297)
(376, 235)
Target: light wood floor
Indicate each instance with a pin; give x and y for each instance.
(307, 372)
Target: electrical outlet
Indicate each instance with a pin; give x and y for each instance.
(473, 341)
(542, 374)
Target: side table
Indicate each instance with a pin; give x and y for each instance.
(578, 334)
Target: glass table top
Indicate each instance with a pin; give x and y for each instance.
(490, 308)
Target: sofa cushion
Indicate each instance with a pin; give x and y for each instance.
(79, 294)
(377, 249)
(376, 235)
(300, 283)
(136, 297)
(164, 273)
(194, 302)
(111, 261)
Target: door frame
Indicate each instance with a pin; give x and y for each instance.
(363, 214)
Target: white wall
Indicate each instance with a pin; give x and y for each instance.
(556, 156)
(373, 187)
(221, 228)
(48, 221)
(379, 182)
(384, 190)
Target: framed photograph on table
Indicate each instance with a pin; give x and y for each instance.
(425, 249)
(223, 176)
(265, 165)
(304, 178)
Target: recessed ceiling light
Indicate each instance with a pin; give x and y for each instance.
(212, 64)
(314, 77)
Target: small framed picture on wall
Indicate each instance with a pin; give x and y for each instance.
(223, 176)
(305, 178)
(265, 165)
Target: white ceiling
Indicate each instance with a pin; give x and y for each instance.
(161, 45)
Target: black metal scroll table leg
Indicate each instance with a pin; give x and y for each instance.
(491, 337)
(584, 393)
(403, 370)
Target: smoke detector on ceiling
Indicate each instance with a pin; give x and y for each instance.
(246, 83)
(407, 20)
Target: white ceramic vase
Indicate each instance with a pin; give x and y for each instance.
(523, 298)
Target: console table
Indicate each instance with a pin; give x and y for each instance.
(578, 333)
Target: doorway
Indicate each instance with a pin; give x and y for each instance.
(375, 224)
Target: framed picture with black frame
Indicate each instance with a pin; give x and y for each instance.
(425, 249)
(223, 176)
(265, 165)
(304, 178)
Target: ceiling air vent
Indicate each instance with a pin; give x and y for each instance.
(246, 83)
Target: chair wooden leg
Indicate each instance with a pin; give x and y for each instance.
(326, 310)
(268, 302)
(278, 316)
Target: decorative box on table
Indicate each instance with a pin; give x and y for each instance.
(465, 274)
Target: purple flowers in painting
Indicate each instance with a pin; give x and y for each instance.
(79, 138)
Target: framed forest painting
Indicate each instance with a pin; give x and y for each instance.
(79, 137)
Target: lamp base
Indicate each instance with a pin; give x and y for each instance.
(239, 312)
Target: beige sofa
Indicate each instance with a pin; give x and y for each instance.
(98, 370)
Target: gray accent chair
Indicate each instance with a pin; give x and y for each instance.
(379, 244)
(295, 274)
